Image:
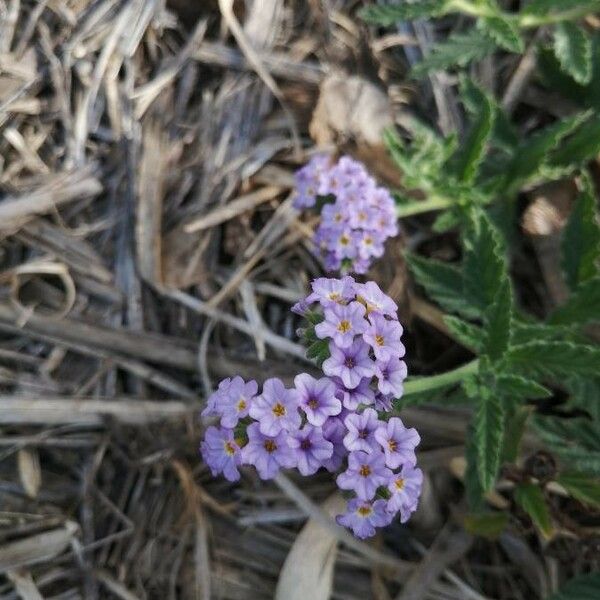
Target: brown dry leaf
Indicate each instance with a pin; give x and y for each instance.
(30, 472)
(350, 107)
(308, 568)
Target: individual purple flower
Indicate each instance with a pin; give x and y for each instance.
(365, 473)
(361, 430)
(398, 442)
(311, 449)
(383, 336)
(383, 402)
(301, 308)
(308, 181)
(405, 488)
(361, 394)
(375, 300)
(268, 454)
(363, 517)
(317, 398)
(390, 376)
(370, 244)
(342, 323)
(234, 403)
(334, 432)
(349, 364)
(214, 400)
(276, 409)
(329, 292)
(221, 453)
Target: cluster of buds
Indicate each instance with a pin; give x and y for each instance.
(339, 422)
(357, 216)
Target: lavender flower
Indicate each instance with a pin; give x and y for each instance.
(342, 323)
(317, 398)
(363, 517)
(349, 364)
(334, 432)
(351, 399)
(309, 181)
(221, 453)
(383, 336)
(276, 409)
(268, 454)
(398, 442)
(361, 431)
(375, 300)
(234, 402)
(311, 449)
(328, 291)
(405, 489)
(365, 473)
(391, 376)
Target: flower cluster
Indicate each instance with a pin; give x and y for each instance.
(357, 216)
(331, 422)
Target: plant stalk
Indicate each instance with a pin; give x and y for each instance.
(424, 384)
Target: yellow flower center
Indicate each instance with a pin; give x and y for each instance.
(344, 240)
(270, 446)
(279, 410)
(344, 326)
(229, 448)
(365, 471)
(313, 403)
(337, 217)
(241, 405)
(370, 307)
(368, 241)
(379, 340)
(399, 483)
(365, 511)
(334, 296)
(393, 445)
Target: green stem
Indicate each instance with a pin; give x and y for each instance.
(424, 384)
(528, 21)
(474, 10)
(422, 206)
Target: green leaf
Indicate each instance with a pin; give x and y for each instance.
(513, 434)
(318, 351)
(467, 334)
(531, 155)
(391, 14)
(458, 51)
(473, 488)
(582, 307)
(584, 587)
(443, 283)
(581, 486)
(520, 388)
(471, 153)
(573, 49)
(531, 499)
(554, 359)
(524, 332)
(581, 240)
(445, 221)
(582, 146)
(543, 7)
(484, 267)
(497, 318)
(489, 430)
(489, 525)
(504, 31)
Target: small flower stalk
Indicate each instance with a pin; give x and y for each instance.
(340, 421)
(357, 216)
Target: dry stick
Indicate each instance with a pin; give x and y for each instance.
(254, 59)
(397, 566)
(520, 77)
(233, 209)
(89, 412)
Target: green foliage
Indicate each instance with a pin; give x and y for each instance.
(581, 486)
(466, 333)
(581, 240)
(582, 307)
(520, 388)
(531, 499)
(497, 318)
(505, 32)
(391, 14)
(573, 49)
(489, 525)
(583, 587)
(565, 7)
(474, 489)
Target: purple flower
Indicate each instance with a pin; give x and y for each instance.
(351, 399)
(391, 375)
(363, 517)
(214, 400)
(370, 244)
(331, 291)
(365, 473)
(398, 442)
(311, 449)
(234, 402)
(383, 336)
(221, 453)
(383, 402)
(268, 454)
(349, 364)
(308, 181)
(334, 432)
(361, 431)
(405, 488)
(276, 409)
(300, 308)
(375, 300)
(342, 323)
(317, 398)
